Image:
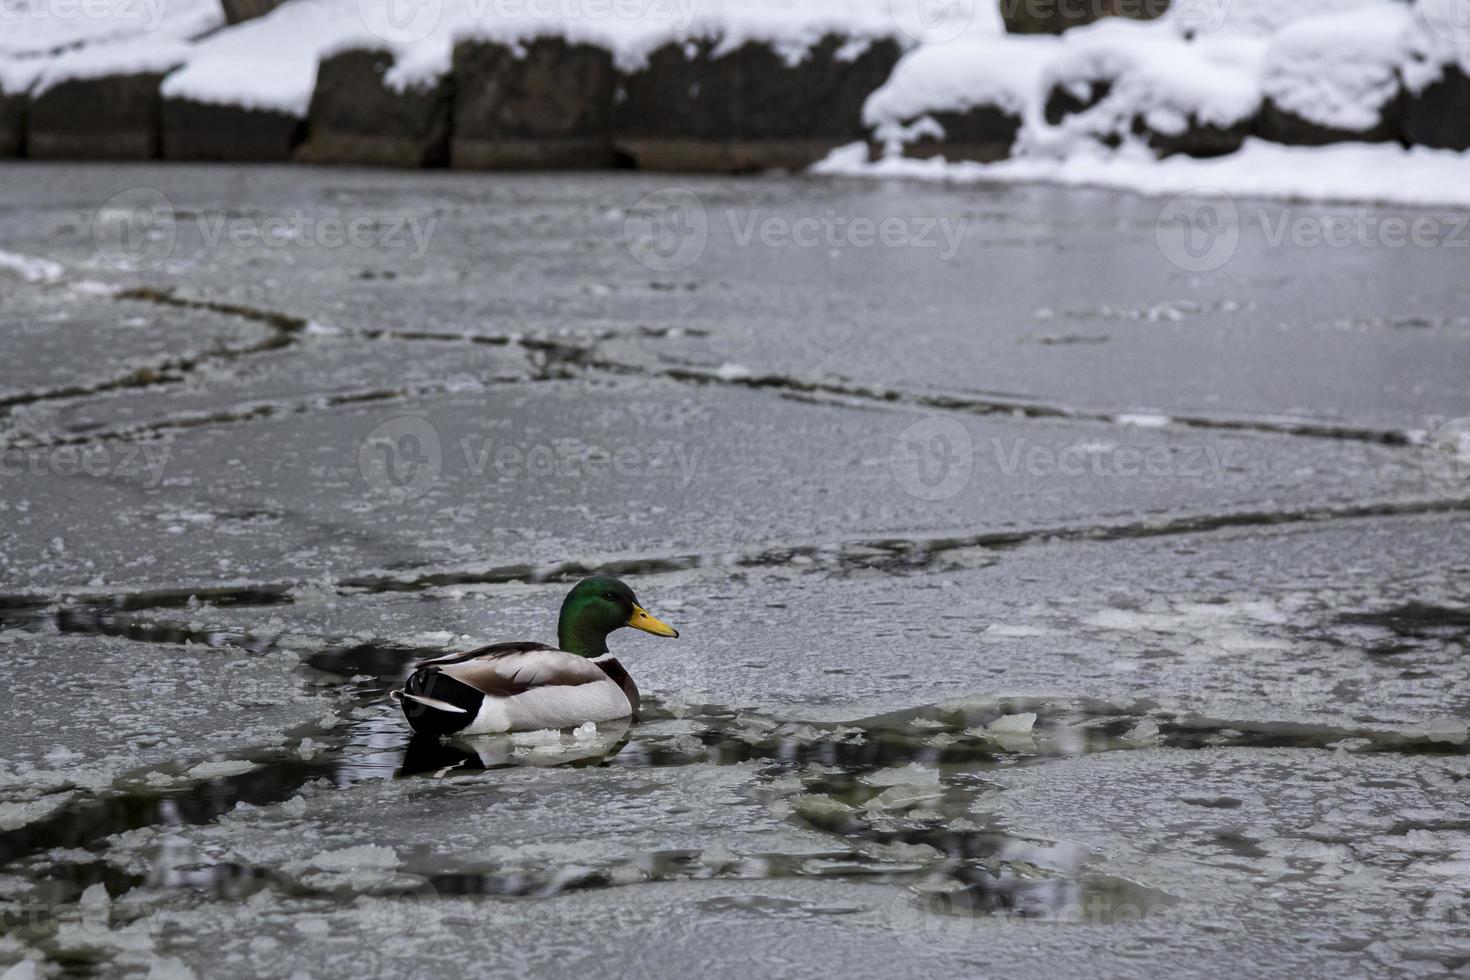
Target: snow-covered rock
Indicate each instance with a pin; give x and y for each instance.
(358, 117)
(708, 105)
(268, 64)
(1022, 17)
(100, 101)
(1120, 79)
(535, 83)
(964, 100)
(547, 103)
(1436, 74)
(63, 58)
(1336, 77)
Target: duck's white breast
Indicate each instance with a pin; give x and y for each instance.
(552, 706)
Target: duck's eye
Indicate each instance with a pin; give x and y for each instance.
(610, 597)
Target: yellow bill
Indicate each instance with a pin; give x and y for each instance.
(641, 620)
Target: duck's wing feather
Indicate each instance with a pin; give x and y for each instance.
(507, 669)
(485, 652)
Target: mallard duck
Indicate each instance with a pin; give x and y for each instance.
(521, 687)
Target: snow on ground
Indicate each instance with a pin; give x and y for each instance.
(1376, 172)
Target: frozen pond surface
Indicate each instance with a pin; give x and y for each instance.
(1048, 609)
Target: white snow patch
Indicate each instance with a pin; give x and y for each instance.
(1146, 732)
(1142, 420)
(913, 774)
(30, 268)
(170, 968)
(36, 28)
(219, 770)
(268, 63)
(133, 57)
(1004, 72)
(1020, 724)
(733, 372)
(363, 856)
(1014, 631)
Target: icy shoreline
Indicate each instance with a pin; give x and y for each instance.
(1352, 173)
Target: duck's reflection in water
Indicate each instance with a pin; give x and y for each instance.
(588, 745)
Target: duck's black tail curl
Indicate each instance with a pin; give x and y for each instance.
(436, 704)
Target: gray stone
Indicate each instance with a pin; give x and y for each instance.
(690, 109)
(1056, 16)
(1197, 140)
(1282, 126)
(214, 131)
(549, 105)
(983, 133)
(357, 118)
(1062, 102)
(113, 117)
(242, 10)
(1440, 114)
(13, 106)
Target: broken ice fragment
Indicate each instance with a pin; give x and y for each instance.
(1013, 724)
(1146, 732)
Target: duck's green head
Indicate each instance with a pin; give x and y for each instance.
(594, 608)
